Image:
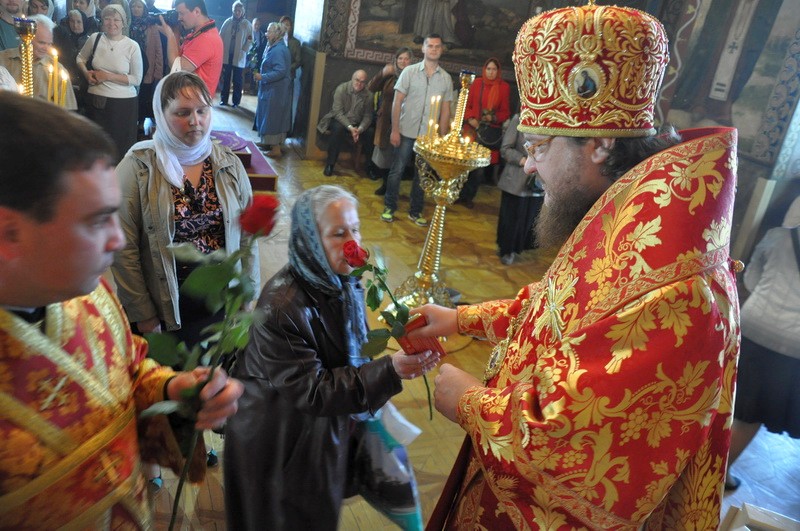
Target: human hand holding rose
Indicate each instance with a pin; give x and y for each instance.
(377, 340)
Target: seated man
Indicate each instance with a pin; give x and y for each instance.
(350, 116)
(42, 59)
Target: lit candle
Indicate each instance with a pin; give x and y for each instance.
(50, 83)
(64, 84)
(54, 52)
(430, 128)
(55, 59)
(21, 88)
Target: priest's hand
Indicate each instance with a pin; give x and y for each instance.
(441, 321)
(451, 384)
(218, 397)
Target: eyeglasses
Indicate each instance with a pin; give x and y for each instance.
(360, 81)
(537, 150)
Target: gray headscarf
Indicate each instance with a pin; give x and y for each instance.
(307, 257)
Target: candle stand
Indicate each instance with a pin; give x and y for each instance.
(443, 164)
(26, 29)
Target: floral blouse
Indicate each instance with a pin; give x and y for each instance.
(198, 215)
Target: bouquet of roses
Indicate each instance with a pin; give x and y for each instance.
(223, 285)
(397, 321)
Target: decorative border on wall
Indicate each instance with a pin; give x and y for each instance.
(333, 37)
(780, 110)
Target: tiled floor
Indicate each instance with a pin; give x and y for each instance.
(769, 468)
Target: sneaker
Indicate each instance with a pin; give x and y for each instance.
(732, 482)
(223, 104)
(388, 215)
(507, 259)
(212, 459)
(418, 220)
(381, 190)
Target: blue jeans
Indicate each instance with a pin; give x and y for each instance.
(402, 154)
(236, 73)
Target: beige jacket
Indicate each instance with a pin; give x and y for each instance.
(145, 269)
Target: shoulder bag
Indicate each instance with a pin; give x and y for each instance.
(94, 47)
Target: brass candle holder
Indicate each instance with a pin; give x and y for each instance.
(26, 29)
(443, 164)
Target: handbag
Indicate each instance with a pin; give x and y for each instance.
(487, 134)
(380, 472)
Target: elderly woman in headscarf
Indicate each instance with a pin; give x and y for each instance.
(112, 65)
(308, 390)
(274, 110)
(69, 40)
(179, 187)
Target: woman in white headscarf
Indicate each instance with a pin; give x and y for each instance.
(112, 65)
(177, 188)
(769, 365)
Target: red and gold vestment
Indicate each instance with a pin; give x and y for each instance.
(608, 402)
(69, 395)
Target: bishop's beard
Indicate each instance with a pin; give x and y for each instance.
(558, 220)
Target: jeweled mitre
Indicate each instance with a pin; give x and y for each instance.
(590, 71)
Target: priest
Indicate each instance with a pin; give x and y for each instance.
(73, 378)
(606, 402)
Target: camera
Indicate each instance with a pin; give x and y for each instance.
(170, 17)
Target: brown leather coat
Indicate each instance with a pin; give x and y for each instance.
(383, 121)
(286, 449)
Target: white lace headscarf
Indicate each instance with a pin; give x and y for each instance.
(171, 153)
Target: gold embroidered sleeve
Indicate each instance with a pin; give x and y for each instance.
(149, 377)
(490, 320)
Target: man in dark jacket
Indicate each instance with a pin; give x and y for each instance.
(350, 116)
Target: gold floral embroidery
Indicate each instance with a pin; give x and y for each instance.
(554, 305)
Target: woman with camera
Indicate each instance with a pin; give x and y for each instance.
(112, 64)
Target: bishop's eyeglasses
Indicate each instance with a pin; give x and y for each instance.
(537, 150)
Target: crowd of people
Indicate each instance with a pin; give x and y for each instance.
(389, 112)
(115, 52)
(607, 400)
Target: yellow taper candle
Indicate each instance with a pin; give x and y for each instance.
(64, 85)
(50, 83)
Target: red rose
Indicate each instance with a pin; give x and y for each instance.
(354, 255)
(260, 215)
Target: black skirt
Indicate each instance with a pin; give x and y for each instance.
(515, 223)
(767, 391)
(117, 117)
